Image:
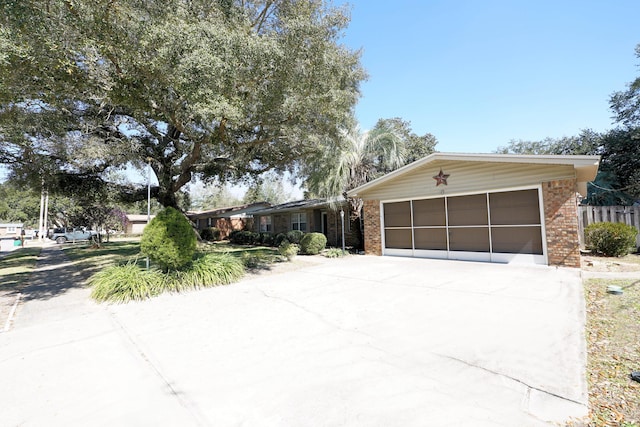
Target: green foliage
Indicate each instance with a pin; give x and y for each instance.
(415, 146)
(313, 243)
(588, 142)
(211, 269)
(334, 253)
(626, 104)
(294, 236)
(267, 188)
(280, 237)
(610, 239)
(169, 240)
(288, 250)
(122, 283)
(207, 88)
(211, 234)
(245, 237)
(266, 239)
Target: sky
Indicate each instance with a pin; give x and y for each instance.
(477, 74)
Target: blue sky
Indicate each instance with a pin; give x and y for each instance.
(477, 74)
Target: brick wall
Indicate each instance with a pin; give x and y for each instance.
(372, 238)
(561, 222)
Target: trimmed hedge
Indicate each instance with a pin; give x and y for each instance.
(245, 237)
(610, 238)
(312, 243)
(168, 240)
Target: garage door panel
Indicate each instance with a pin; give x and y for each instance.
(469, 239)
(398, 239)
(517, 240)
(467, 210)
(397, 214)
(430, 238)
(515, 207)
(429, 213)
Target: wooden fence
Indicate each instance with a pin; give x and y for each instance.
(627, 214)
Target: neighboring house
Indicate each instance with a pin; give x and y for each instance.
(484, 207)
(313, 215)
(10, 230)
(136, 223)
(227, 219)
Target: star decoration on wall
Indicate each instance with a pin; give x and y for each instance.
(441, 178)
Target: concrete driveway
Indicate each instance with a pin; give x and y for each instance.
(362, 341)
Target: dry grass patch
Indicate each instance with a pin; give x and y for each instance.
(613, 343)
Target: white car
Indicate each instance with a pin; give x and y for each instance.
(62, 235)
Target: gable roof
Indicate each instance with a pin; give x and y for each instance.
(231, 210)
(297, 205)
(586, 167)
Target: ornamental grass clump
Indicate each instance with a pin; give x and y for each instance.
(123, 283)
(168, 240)
(208, 270)
(612, 239)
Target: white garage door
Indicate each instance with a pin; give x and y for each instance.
(500, 226)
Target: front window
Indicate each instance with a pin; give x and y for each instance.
(265, 224)
(11, 229)
(299, 221)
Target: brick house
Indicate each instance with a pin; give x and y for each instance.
(227, 219)
(483, 207)
(312, 215)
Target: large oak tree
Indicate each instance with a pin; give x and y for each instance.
(213, 88)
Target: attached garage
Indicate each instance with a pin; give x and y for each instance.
(497, 208)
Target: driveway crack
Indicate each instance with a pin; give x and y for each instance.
(529, 386)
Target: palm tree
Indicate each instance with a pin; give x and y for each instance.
(353, 160)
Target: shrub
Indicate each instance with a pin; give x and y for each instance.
(280, 237)
(208, 270)
(210, 234)
(294, 236)
(334, 253)
(610, 238)
(122, 283)
(266, 239)
(233, 236)
(313, 243)
(245, 237)
(169, 240)
(288, 250)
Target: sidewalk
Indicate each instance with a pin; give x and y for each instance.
(66, 361)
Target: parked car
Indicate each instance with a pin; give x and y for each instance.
(62, 235)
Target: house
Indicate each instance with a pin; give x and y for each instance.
(136, 223)
(312, 215)
(227, 219)
(484, 207)
(10, 230)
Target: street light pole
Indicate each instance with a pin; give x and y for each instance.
(148, 196)
(342, 220)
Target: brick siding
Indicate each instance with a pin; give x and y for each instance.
(372, 237)
(561, 222)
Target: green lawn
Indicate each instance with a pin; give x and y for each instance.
(16, 267)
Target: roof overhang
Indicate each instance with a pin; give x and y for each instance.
(586, 167)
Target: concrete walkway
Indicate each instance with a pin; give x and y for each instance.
(362, 341)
